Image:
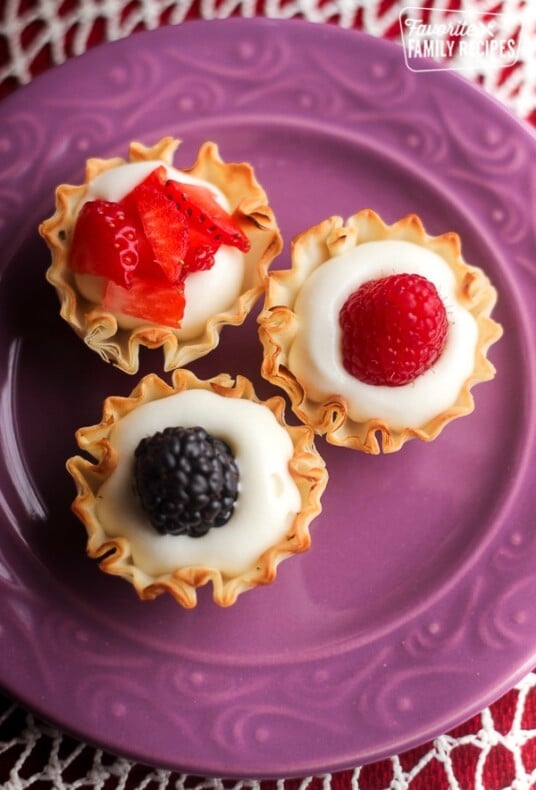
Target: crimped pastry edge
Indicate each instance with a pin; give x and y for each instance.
(306, 467)
(278, 327)
(98, 328)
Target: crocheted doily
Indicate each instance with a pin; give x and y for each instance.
(35, 34)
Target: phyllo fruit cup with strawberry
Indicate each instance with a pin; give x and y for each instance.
(377, 332)
(145, 254)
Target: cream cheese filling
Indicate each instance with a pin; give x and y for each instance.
(315, 356)
(268, 498)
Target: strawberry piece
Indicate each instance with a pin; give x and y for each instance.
(205, 214)
(147, 244)
(107, 241)
(164, 227)
(156, 302)
(393, 329)
(155, 180)
(200, 253)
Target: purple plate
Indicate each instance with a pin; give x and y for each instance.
(416, 606)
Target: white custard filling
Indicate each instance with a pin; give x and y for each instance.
(315, 356)
(268, 498)
(208, 292)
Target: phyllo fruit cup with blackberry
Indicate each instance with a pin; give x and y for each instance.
(378, 332)
(145, 254)
(196, 482)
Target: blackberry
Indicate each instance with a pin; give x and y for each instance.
(186, 481)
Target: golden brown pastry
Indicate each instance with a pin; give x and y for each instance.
(377, 332)
(144, 254)
(193, 483)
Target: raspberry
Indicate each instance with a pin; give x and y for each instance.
(186, 481)
(393, 329)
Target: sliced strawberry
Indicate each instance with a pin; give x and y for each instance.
(165, 229)
(200, 253)
(149, 242)
(164, 226)
(108, 241)
(156, 302)
(205, 214)
(156, 179)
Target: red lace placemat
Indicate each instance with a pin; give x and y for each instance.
(37, 34)
(495, 750)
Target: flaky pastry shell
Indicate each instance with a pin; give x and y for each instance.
(98, 328)
(306, 468)
(278, 327)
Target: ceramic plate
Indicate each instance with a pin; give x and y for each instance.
(416, 606)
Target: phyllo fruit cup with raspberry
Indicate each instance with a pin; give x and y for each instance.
(193, 483)
(145, 254)
(377, 332)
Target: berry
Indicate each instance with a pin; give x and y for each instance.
(393, 329)
(107, 241)
(205, 214)
(201, 251)
(157, 302)
(146, 245)
(186, 481)
(165, 228)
